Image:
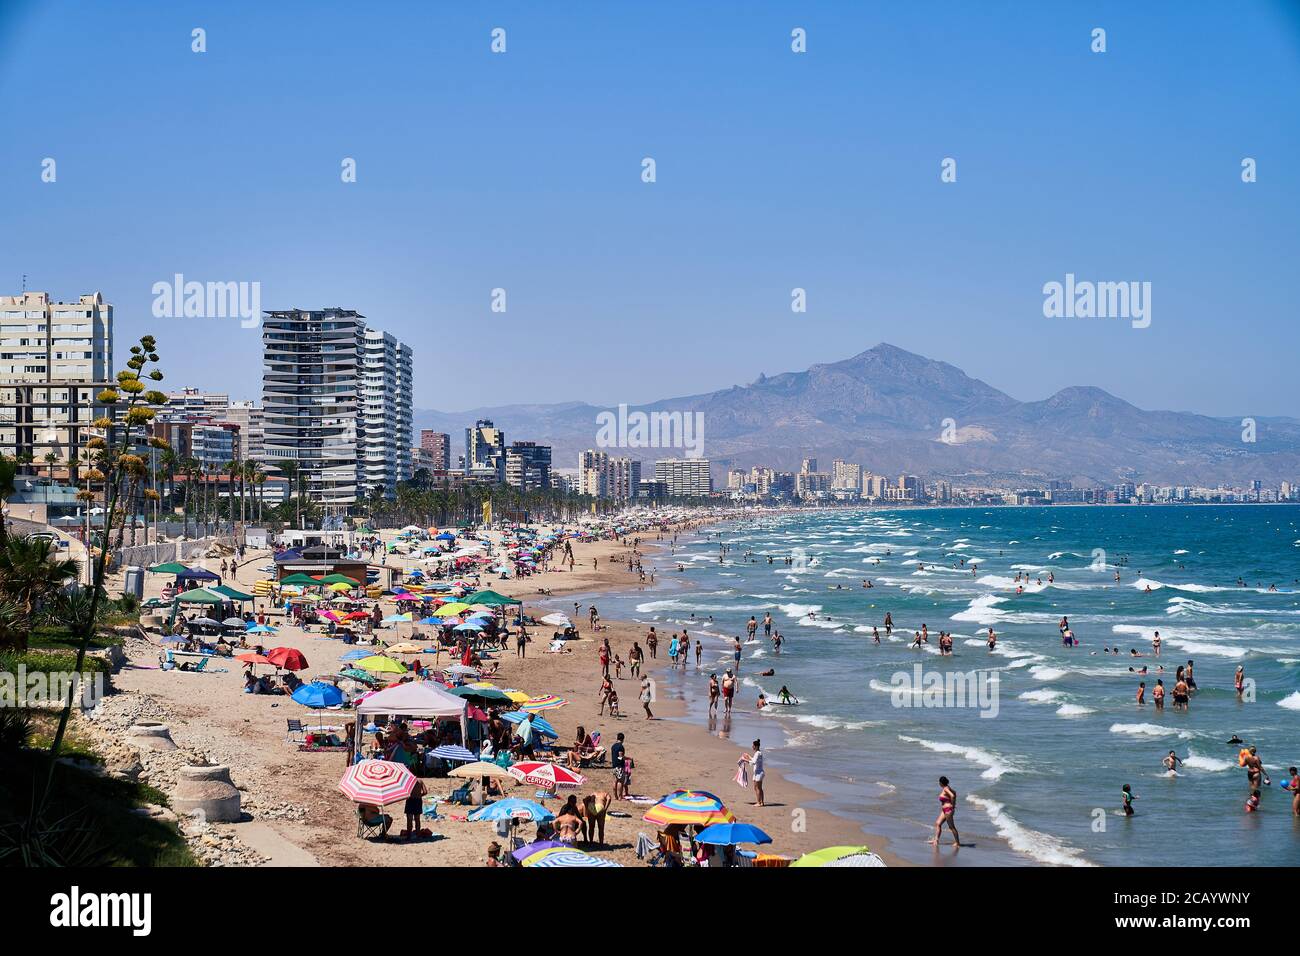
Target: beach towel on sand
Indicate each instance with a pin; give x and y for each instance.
(742, 773)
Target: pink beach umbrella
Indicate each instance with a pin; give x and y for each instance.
(377, 781)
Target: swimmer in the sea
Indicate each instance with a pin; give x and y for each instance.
(1171, 762)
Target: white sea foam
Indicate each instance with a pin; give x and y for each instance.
(994, 765)
(1148, 730)
(1039, 846)
(1212, 764)
(1073, 710)
(1291, 701)
(1045, 672)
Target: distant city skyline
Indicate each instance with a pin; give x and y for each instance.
(775, 171)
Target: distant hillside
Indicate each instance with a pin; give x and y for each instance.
(891, 411)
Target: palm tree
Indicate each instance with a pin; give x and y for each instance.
(8, 488)
(28, 575)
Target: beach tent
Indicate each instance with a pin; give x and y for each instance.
(197, 574)
(416, 699)
(201, 596)
(231, 593)
(300, 578)
(170, 567)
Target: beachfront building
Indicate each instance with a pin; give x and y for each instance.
(55, 357)
(601, 476)
(485, 451)
(336, 404)
(384, 428)
(685, 477)
(438, 445)
(248, 416)
(528, 466)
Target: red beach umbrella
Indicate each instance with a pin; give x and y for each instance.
(290, 658)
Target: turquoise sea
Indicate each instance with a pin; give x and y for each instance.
(1040, 759)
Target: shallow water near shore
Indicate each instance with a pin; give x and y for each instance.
(1043, 770)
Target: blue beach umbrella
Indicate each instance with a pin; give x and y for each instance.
(317, 695)
(355, 655)
(512, 809)
(730, 834)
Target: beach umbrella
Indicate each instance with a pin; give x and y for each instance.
(339, 579)
(355, 655)
(452, 752)
(840, 856)
(234, 622)
(290, 658)
(378, 664)
(260, 629)
(545, 702)
(317, 695)
(549, 775)
(491, 599)
(462, 670)
(251, 658)
(540, 724)
(405, 647)
(689, 807)
(467, 627)
(511, 809)
(377, 781)
(729, 834)
(305, 580)
(340, 588)
(561, 855)
(486, 693)
(204, 622)
(445, 536)
(397, 619)
(516, 696)
(451, 609)
(481, 768)
(557, 620)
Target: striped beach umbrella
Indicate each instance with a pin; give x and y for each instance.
(563, 856)
(452, 752)
(539, 773)
(377, 781)
(689, 807)
(545, 702)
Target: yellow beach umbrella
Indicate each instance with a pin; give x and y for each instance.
(451, 610)
(378, 664)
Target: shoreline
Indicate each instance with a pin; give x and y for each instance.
(295, 816)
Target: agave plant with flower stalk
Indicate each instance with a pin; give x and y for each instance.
(113, 466)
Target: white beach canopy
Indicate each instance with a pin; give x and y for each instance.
(416, 699)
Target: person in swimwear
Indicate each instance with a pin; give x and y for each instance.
(1239, 681)
(1295, 791)
(947, 813)
(1252, 803)
(1171, 762)
(993, 639)
(1129, 797)
(728, 692)
(1255, 770)
(714, 692)
(1158, 695)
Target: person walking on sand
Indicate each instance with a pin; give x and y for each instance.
(947, 813)
(652, 642)
(634, 658)
(728, 692)
(647, 695)
(699, 652)
(714, 692)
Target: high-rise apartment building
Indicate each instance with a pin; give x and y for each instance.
(337, 403)
(528, 466)
(384, 430)
(438, 445)
(685, 477)
(485, 451)
(55, 357)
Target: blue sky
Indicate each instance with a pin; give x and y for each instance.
(775, 171)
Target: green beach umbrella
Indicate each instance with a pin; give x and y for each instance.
(201, 596)
(301, 579)
(490, 598)
(339, 579)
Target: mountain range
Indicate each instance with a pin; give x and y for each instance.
(893, 411)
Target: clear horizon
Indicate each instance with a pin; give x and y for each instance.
(775, 171)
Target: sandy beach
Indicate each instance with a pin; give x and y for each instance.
(296, 816)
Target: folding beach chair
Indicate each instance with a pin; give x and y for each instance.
(296, 731)
(366, 829)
